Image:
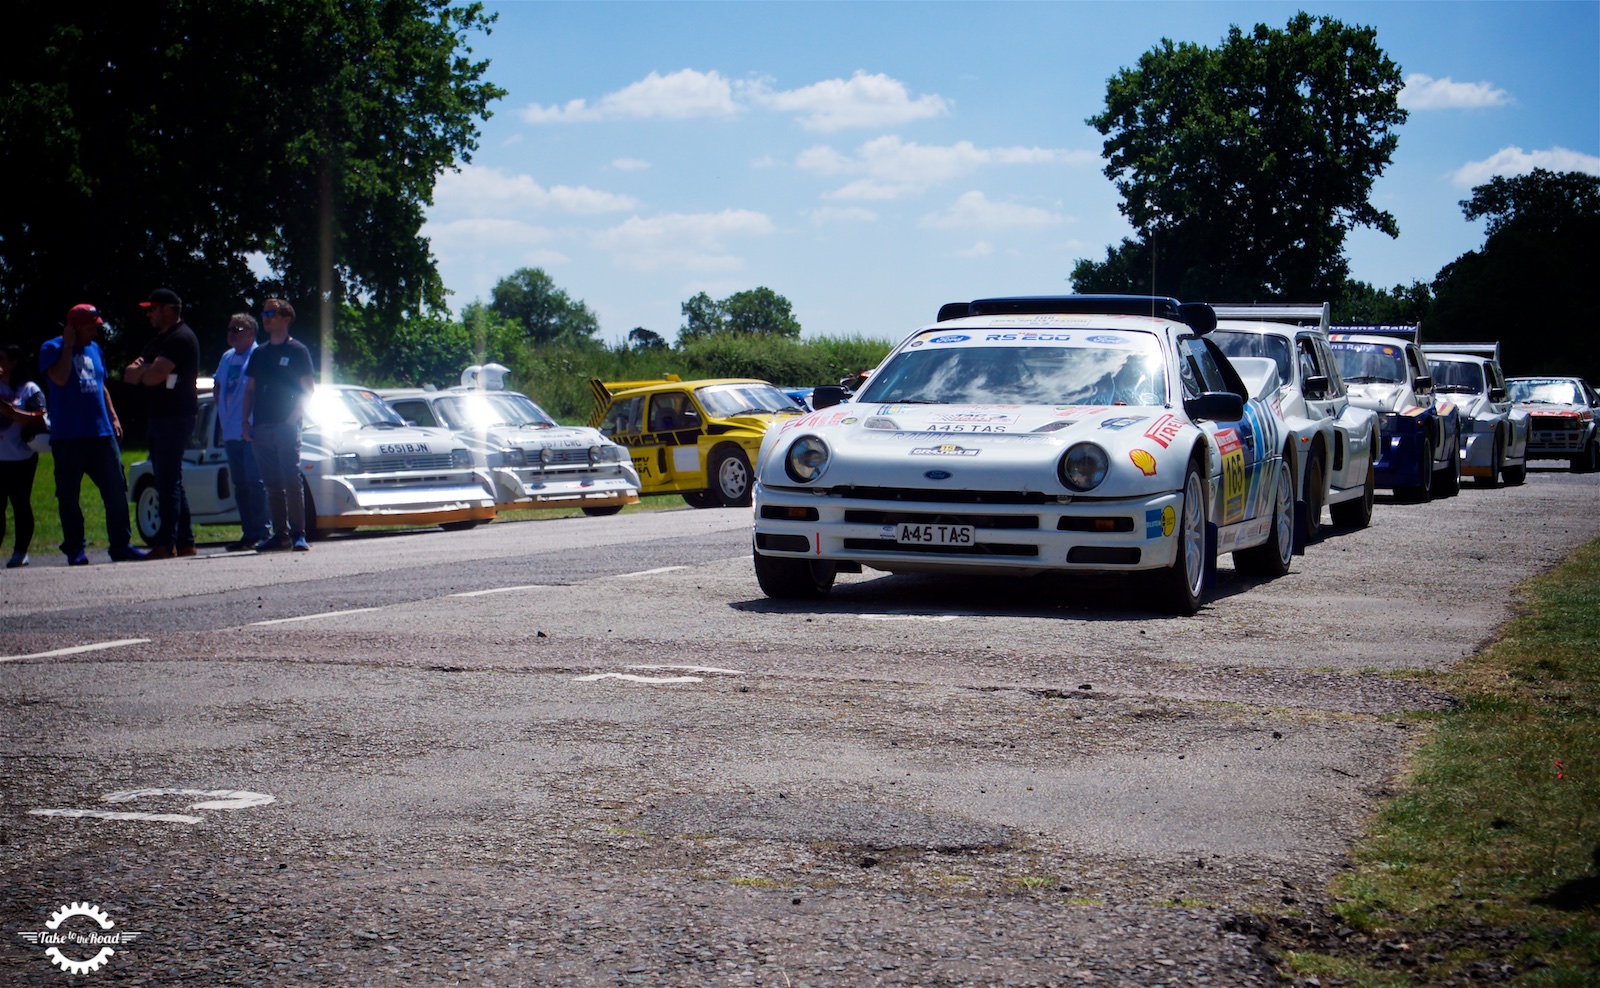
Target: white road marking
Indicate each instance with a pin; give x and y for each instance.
(646, 572)
(480, 593)
(730, 672)
(120, 815)
(315, 617)
(214, 799)
(650, 680)
(74, 650)
(907, 617)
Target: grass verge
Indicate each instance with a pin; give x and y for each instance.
(1486, 868)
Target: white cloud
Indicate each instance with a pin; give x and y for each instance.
(489, 191)
(1424, 92)
(840, 214)
(1513, 161)
(630, 165)
(982, 248)
(485, 232)
(974, 210)
(861, 101)
(683, 95)
(692, 241)
(892, 168)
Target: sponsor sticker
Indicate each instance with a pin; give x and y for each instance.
(945, 449)
(1235, 478)
(1144, 461)
(949, 338)
(1164, 431)
(1159, 522)
(1122, 422)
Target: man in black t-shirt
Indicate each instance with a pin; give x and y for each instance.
(168, 369)
(277, 382)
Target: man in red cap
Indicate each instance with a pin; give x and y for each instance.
(168, 370)
(83, 435)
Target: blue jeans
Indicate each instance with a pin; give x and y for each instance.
(248, 491)
(278, 455)
(99, 459)
(169, 436)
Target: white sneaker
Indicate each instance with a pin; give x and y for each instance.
(17, 559)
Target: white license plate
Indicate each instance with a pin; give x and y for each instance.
(933, 534)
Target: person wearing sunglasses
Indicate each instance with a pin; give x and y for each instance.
(248, 491)
(277, 383)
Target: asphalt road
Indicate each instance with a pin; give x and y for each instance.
(589, 751)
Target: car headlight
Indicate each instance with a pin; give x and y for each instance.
(460, 458)
(806, 459)
(546, 456)
(594, 455)
(513, 458)
(1083, 467)
(343, 463)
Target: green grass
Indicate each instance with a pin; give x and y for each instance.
(1497, 829)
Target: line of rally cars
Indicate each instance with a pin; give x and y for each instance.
(1013, 435)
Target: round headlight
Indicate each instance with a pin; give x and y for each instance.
(1083, 467)
(594, 454)
(514, 457)
(806, 459)
(546, 455)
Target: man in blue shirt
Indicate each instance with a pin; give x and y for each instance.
(83, 435)
(249, 492)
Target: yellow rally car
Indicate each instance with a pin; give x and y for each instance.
(695, 438)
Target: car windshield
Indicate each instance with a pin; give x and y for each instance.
(474, 412)
(1461, 376)
(726, 400)
(1370, 363)
(1026, 367)
(1544, 392)
(338, 409)
(1240, 343)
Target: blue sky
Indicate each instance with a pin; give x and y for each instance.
(870, 161)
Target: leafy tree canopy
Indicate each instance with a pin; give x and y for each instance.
(758, 312)
(1243, 167)
(165, 143)
(640, 338)
(529, 298)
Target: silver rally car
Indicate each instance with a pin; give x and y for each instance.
(1494, 432)
(1562, 419)
(1030, 435)
(533, 461)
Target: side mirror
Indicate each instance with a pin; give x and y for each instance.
(828, 395)
(1424, 384)
(1316, 387)
(1217, 406)
(1497, 395)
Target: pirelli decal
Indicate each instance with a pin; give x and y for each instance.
(1164, 431)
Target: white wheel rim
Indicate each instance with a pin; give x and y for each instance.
(732, 478)
(149, 513)
(1193, 535)
(1285, 514)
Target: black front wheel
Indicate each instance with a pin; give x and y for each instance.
(729, 473)
(603, 512)
(783, 578)
(1357, 512)
(147, 512)
(1589, 460)
(1423, 490)
(1271, 558)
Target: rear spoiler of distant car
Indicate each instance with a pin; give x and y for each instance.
(1196, 315)
(1295, 314)
(1490, 350)
(1401, 332)
(603, 390)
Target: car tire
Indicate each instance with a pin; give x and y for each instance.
(1308, 528)
(729, 473)
(702, 499)
(1423, 491)
(782, 578)
(1589, 460)
(1180, 588)
(1516, 476)
(1496, 465)
(460, 526)
(1447, 480)
(313, 533)
(1271, 558)
(1357, 512)
(147, 511)
(603, 512)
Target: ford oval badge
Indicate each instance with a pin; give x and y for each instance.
(954, 338)
(937, 474)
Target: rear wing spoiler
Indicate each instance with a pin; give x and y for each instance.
(1490, 350)
(1408, 333)
(604, 390)
(1309, 314)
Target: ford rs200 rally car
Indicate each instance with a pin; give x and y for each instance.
(1494, 432)
(534, 462)
(1386, 371)
(1335, 440)
(1029, 435)
(694, 438)
(1561, 414)
(360, 464)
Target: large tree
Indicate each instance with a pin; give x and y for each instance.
(757, 312)
(530, 298)
(1243, 167)
(166, 142)
(1529, 287)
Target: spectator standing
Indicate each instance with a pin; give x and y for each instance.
(84, 430)
(22, 408)
(229, 382)
(168, 369)
(278, 382)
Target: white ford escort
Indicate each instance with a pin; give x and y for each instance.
(1028, 435)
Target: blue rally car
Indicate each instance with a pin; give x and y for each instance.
(1419, 455)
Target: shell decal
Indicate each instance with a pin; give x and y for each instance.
(1144, 461)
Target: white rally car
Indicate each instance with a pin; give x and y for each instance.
(1028, 435)
(1494, 432)
(534, 462)
(1336, 441)
(1562, 418)
(360, 464)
